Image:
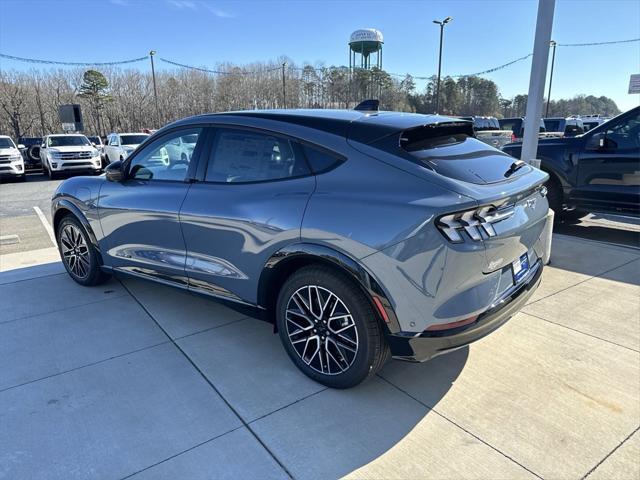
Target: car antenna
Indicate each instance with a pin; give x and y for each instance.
(370, 105)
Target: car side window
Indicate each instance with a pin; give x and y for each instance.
(320, 160)
(625, 134)
(241, 156)
(164, 159)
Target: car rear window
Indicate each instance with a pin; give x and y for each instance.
(435, 135)
(552, 125)
(132, 139)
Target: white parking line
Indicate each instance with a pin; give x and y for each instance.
(46, 225)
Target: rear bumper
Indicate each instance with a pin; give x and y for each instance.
(426, 345)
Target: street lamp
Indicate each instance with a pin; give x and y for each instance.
(552, 44)
(155, 90)
(442, 24)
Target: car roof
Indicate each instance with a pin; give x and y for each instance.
(67, 135)
(362, 126)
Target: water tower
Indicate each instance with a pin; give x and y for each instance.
(362, 44)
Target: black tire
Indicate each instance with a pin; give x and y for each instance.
(556, 203)
(90, 273)
(350, 367)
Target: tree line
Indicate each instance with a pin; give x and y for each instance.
(115, 99)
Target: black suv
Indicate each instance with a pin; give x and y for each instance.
(31, 152)
(598, 171)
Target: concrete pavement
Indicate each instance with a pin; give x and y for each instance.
(136, 380)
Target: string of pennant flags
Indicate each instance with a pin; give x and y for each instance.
(237, 71)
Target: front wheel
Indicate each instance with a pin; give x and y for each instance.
(329, 328)
(555, 198)
(79, 257)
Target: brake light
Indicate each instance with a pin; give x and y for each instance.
(513, 137)
(473, 223)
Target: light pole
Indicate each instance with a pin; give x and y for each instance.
(442, 24)
(553, 60)
(155, 89)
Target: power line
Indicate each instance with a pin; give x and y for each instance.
(324, 69)
(597, 43)
(217, 72)
(76, 64)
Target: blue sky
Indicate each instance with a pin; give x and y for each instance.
(482, 34)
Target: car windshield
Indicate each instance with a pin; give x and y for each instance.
(6, 143)
(95, 140)
(68, 141)
(132, 139)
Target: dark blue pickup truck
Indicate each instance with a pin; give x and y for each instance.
(595, 172)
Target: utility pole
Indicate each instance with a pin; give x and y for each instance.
(544, 25)
(442, 24)
(155, 89)
(553, 60)
(284, 86)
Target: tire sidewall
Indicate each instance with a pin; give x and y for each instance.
(354, 300)
(94, 268)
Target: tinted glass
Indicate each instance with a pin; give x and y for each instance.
(320, 161)
(240, 156)
(95, 140)
(552, 125)
(625, 134)
(132, 139)
(167, 158)
(511, 124)
(6, 143)
(70, 141)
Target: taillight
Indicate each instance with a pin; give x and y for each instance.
(473, 223)
(513, 137)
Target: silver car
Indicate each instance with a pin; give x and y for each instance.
(359, 235)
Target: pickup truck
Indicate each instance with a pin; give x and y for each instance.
(516, 125)
(488, 130)
(595, 172)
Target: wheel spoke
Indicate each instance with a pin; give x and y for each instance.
(321, 330)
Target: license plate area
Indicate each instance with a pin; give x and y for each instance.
(520, 268)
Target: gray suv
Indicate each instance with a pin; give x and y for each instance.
(359, 235)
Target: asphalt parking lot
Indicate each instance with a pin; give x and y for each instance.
(132, 379)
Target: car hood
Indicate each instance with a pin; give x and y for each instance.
(73, 148)
(9, 151)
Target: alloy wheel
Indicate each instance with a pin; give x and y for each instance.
(321, 330)
(75, 251)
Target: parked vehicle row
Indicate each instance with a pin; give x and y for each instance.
(598, 171)
(281, 213)
(71, 153)
(488, 131)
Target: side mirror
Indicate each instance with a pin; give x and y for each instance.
(43, 146)
(597, 142)
(21, 146)
(115, 171)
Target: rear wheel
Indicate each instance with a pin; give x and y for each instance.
(79, 257)
(556, 203)
(329, 328)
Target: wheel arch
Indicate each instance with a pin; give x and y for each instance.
(289, 259)
(63, 207)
